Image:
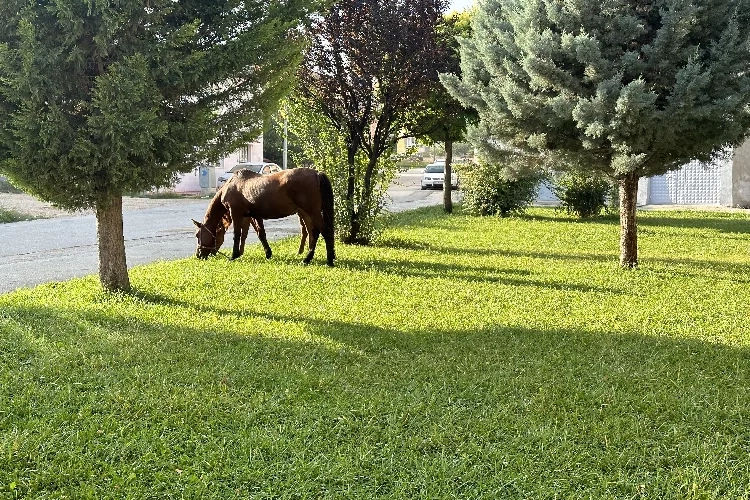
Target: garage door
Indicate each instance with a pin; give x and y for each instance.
(694, 184)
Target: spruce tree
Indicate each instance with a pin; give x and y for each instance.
(627, 88)
(100, 98)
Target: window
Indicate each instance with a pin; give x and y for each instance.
(244, 153)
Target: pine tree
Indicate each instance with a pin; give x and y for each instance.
(102, 98)
(627, 88)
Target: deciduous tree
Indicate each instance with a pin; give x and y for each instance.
(369, 61)
(439, 117)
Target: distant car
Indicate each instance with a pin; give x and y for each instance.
(434, 176)
(263, 168)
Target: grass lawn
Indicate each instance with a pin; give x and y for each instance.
(458, 358)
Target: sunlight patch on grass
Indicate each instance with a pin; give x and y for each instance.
(457, 357)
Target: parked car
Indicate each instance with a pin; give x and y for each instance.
(433, 176)
(263, 168)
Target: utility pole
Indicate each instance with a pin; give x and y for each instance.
(284, 165)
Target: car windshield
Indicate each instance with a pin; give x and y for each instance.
(434, 169)
(246, 166)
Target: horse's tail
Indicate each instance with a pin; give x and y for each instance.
(326, 196)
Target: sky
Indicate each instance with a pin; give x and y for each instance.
(460, 4)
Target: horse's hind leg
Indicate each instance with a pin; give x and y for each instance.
(313, 234)
(329, 238)
(317, 226)
(303, 229)
(245, 228)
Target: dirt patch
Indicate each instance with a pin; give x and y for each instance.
(29, 205)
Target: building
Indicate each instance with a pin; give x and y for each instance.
(723, 183)
(202, 180)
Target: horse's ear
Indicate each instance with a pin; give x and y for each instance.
(197, 224)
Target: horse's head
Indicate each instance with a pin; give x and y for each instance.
(209, 241)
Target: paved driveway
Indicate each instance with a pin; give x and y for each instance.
(57, 249)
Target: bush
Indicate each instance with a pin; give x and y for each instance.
(488, 191)
(584, 195)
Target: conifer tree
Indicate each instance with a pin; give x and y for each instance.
(629, 88)
(101, 98)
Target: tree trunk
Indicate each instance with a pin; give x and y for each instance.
(113, 270)
(628, 187)
(447, 184)
(354, 224)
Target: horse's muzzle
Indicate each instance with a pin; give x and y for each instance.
(203, 253)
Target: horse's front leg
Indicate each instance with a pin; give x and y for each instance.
(243, 237)
(237, 223)
(261, 231)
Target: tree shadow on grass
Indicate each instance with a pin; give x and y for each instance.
(725, 222)
(401, 243)
(476, 274)
(540, 410)
(736, 269)
(722, 222)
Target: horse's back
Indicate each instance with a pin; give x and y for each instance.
(276, 195)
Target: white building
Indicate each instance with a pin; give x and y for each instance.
(202, 180)
(724, 183)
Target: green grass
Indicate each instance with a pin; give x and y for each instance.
(458, 358)
(7, 216)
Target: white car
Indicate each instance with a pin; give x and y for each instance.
(434, 176)
(263, 168)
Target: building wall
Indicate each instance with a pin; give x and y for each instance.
(190, 183)
(725, 182)
(736, 192)
(694, 184)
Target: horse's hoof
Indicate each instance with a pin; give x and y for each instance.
(330, 263)
(268, 255)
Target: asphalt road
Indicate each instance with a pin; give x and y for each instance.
(45, 250)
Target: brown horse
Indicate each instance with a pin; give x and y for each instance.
(250, 198)
(226, 221)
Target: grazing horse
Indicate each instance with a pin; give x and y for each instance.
(249, 198)
(226, 221)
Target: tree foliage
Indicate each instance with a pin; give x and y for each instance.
(628, 88)
(273, 141)
(367, 64)
(318, 143)
(100, 98)
(439, 117)
(488, 190)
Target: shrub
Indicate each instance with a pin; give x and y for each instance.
(488, 191)
(582, 194)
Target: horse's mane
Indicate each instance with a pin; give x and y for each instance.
(226, 220)
(215, 208)
(246, 174)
